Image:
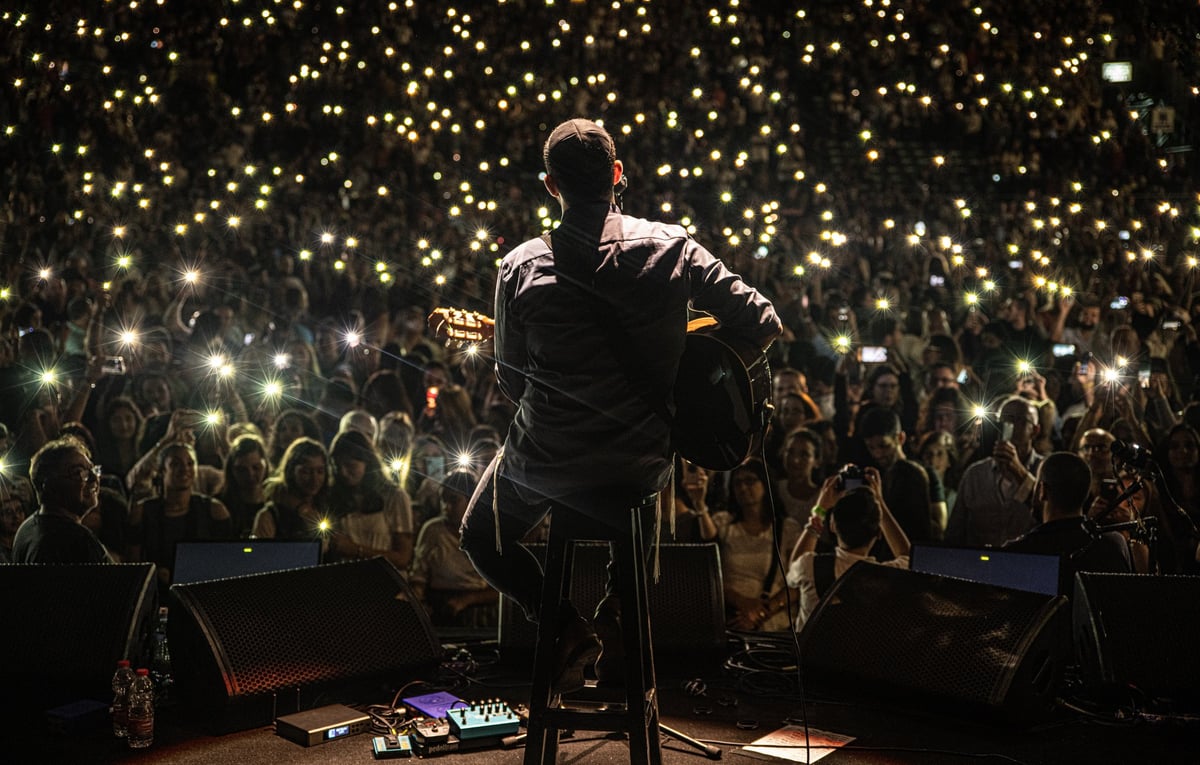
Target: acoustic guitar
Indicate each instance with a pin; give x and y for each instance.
(721, 392)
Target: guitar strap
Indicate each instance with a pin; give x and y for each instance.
(620, 342)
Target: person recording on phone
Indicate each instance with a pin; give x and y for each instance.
(858, 518)
(590, 329)
(1083, 334)
(992, 506)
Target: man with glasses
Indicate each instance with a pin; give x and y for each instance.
(67, 485)
(1095, 448)
(993, 504)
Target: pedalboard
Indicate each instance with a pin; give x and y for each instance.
(452, 745)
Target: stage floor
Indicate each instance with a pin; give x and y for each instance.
(726, 707)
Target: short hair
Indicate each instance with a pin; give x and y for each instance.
(173, 447)
(881, 371)
(461, 482)
(1067, 480)
(804, 434)
(51, 457)
(1029, 405)
(879, 421)
(580, 154)
(359, 420)
(857, 516)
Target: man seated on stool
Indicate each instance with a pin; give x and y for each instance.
(1062, 487)
(590, 329)
(857, 519)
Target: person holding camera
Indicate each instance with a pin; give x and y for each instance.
(858, 517)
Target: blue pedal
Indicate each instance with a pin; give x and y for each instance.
(482, 719)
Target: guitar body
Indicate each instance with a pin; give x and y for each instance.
(722, 401)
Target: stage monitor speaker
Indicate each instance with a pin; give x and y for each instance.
(687, 604)
(890, 631)
(1139, 630)
(247, 649)
(65, 627)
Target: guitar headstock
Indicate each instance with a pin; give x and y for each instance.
(461, 327)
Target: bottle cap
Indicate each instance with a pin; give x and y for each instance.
(123, 663)
(143, 671)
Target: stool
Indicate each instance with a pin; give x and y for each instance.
(638, 715)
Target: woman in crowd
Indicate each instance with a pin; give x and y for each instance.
(296, 495)
(175, 513)
(370, 515)
(797, 489)
(394, 444)
(795, 410)
(428, 464)
(117, 430)
(246, 469)
(291, 424)
(938, 453)
(384, 392)
(692, 517)
(756, 597)
(1179, 459)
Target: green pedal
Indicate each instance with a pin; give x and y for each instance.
(391, 747)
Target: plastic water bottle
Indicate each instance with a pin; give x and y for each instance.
(122, 683)
(160, 660)
(141, 710)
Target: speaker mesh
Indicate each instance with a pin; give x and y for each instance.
(66, 626)
(1140, 630)
(315, 627)
(687, 604)
(944, 637)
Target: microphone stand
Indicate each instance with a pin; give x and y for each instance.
(1141, 461)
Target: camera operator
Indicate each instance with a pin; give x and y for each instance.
(858, 518)
(1062, 487)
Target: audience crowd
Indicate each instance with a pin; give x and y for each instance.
(221, 239)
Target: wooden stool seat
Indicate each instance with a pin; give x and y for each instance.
(635, 710)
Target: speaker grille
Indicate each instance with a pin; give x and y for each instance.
(66, 626)
(254, 635)
(687, 604)
(944, 637)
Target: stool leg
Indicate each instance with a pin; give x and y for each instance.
(541, 742)
(641, 694)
